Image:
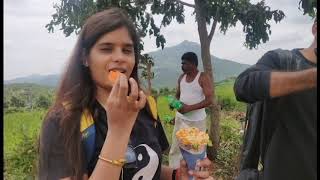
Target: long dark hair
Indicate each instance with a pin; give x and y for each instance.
(77, 90)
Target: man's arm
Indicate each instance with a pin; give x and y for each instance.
(178, 87)
(206, 85)
(265, 80)
(285, 83)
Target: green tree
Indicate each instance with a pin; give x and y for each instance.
(164, 91)
(6, 104)
(28, 95)
(71, 15)
(309, 7)
(154, 93)
(16, 102)
(255, 18)
(146, 63)
(43, 102)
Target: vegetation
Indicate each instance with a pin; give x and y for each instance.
(226, 98)
(21, 132)
(146, 63)
(24, 106)
(25, 96)
(309, 7)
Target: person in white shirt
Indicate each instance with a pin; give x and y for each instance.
(194, 90)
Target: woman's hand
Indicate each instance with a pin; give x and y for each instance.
(202, 173)
(122, 110)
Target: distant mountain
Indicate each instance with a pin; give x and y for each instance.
(45, 80)
(168, 64)
(26, 89)
(167, 67)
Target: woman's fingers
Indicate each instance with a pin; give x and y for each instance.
(203, 169)
(183, 170)
(123, 87)
(142, 100)
(134, 91)
(136, 99)
(200, 174)
(183, 164)
(204, 163)
(115, 88)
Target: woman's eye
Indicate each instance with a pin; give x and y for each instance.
(127, 51)
(107, 49)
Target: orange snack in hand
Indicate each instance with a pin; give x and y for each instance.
(113, 76)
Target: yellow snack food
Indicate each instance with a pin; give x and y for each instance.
(192, 138)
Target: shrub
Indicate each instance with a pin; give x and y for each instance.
(229, 147)
(226, 103)
(43, 102)
(154, 92)
(13, 110)
(16, 101)
(226, 97)
(22, 162)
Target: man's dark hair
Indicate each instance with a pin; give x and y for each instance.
(191, 57)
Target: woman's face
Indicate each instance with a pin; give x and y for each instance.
(112, 51)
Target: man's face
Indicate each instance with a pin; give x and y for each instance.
(187, 66)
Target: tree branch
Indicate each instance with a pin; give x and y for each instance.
(186, 4)
(213, 28)
(214, 24)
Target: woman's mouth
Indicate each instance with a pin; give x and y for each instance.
(115, 73)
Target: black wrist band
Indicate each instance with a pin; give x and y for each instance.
(174, 174)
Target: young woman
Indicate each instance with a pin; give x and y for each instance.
(86, 133)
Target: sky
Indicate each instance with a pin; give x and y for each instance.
(30, 49)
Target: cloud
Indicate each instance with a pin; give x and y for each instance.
(29, 48)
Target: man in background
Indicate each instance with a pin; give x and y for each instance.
(194, 90)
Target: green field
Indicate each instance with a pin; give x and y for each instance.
(16, 125)
(21, 132)
(226, 98)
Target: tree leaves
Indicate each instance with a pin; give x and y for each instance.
(255, 19)
(309, 7)
(70, 15)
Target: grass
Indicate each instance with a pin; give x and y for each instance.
(227, 162)
(226, 98)
(16, 123)
(21, 130)
(164, 111)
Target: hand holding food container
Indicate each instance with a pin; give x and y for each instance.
(192, 143)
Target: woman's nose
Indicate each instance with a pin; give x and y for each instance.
(118, 56)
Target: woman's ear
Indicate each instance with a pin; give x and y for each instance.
(85, 62)
(85, 59)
